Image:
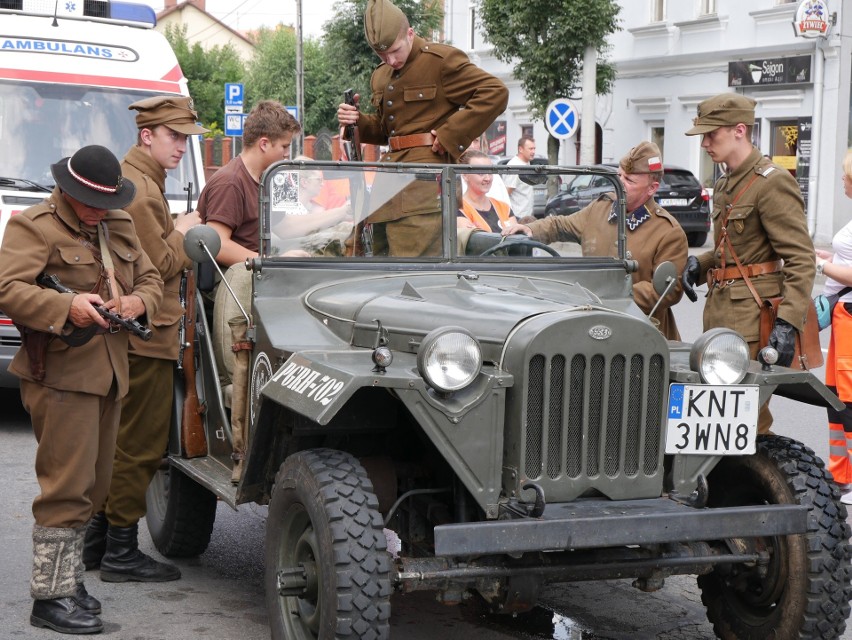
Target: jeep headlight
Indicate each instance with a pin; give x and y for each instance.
(720, 356)
(449, 359)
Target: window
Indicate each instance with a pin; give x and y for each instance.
(527, 130)
(658, 10)
(708, 7)
(658, 137)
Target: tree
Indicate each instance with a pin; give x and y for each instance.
(272, 76)
(344, 41)
(206, 72)
(546, 40)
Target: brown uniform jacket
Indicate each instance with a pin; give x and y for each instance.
(428, 93)
(163, 244)
(767, 222)
(657, 239)
(439, 89)
(35, 242)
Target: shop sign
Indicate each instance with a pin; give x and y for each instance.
(770, 71)
(812, 19)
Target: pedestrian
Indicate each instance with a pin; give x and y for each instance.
(164, 124)
(479, 207)
(653, 235)
(760, 223)
(837, 267)
(520, 192)
(430, 103)
(73, 392)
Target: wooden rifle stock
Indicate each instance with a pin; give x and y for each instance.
(192, 437)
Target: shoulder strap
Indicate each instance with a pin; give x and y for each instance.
(724, 241)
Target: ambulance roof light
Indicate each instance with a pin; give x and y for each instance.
(116, 12)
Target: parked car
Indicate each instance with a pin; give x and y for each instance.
(680, 194)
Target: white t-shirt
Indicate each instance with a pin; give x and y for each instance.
(522, 196)
(842, 245)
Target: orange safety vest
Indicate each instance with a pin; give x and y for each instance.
(502, 209)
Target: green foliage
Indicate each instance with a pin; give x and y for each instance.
(546, 41)
(206, 72)
(272, 76)
(344, 42)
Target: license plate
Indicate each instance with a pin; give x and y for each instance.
(712, 419)
(673, 202)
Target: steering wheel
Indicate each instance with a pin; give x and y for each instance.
(520, 239)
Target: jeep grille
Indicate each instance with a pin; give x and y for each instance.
(606, 407)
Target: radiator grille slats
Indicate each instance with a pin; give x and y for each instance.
(600, 419)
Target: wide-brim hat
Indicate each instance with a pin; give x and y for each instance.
(93, 176)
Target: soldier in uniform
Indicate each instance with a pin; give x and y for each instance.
(73, 393)
(760, 207)
(430, 103)
(653, 235)
(164, 122)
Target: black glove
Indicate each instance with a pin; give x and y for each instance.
(691, 273)
(783, 340)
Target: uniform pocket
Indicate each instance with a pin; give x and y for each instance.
(76, 255)
(738, 219)
(418, 105)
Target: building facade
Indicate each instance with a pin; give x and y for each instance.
(672, 54)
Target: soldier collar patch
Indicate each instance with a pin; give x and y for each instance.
(634, 219)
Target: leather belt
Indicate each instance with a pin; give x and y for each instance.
(398, 143)
(715, 276)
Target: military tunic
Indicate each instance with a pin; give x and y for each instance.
(438, 89)
(75, 408)
(766, 223)
(658, 239)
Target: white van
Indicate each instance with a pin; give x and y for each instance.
(68, 72)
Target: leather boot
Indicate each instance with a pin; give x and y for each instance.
(123, 562)
(65, 616)
(95, 542)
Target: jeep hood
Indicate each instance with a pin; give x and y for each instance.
(411, 305)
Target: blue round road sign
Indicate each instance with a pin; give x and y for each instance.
(561, 119)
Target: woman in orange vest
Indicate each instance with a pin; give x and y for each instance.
(480, 210)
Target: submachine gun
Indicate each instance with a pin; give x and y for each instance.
(81, 335)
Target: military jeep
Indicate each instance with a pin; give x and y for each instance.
(503, 413)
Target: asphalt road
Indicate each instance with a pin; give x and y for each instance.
(221, 595)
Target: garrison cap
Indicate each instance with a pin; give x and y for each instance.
(643, 158)
(175, 112)
(383, 22)
(724, 110)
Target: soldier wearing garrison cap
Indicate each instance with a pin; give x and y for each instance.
(430, 102)
(164, 124)
(72, 388)
(760, 208)
(653, 235)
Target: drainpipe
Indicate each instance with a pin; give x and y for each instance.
(816, 125)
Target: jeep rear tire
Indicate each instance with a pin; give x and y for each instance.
(327, 566)
(805, 590)
(180, 514)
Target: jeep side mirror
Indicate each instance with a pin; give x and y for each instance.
(664, 280)
(202, 243)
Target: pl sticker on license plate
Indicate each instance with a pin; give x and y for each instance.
(712, 419)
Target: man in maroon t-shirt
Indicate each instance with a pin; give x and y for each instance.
(229, 202)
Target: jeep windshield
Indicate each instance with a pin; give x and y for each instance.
(383, 212)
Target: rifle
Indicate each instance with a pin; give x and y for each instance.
(192, 436)
(351, 139)
(81, 335)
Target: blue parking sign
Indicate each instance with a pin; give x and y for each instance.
(233, 94)
(234, 124)
(561, 118)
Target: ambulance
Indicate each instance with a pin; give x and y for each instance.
(68, 71)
